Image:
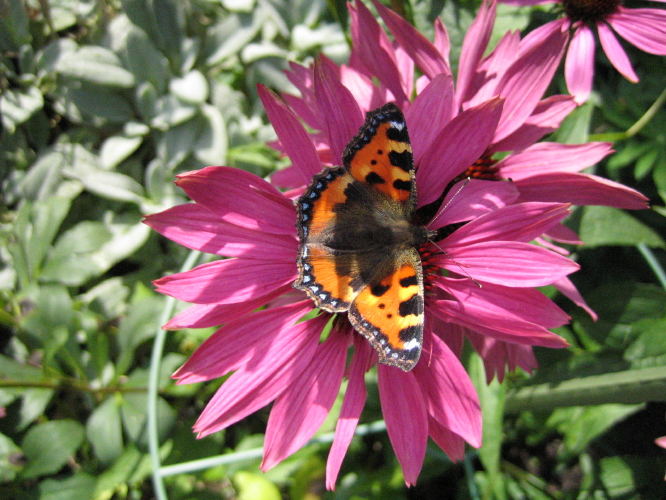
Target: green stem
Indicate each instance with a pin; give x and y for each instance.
(67, 384)
(636, 127)
(469, 477)
(653, 263)
(153, 385)
(629, 387)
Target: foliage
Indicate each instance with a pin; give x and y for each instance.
(104, 102)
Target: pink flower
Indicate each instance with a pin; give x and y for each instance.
(274, 356)
(644, 28)
(449, 141)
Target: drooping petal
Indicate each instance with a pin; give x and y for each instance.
(429, 113)
(526, 80)
(196, 227)
(420, 49)
(227, 281)
(293, 137)
(207, 315)
(239, 341)
(452, 399)
(616, 54)
(508, 263)
(469, 199)
(258, 382)
(498, 355)
(248, 200)
(580, 189)
(442, 42)
(519, 222)
(643, 28)
(404, 410)
(545, 157)
(546, 118)
(301, 409)
(563, 234)
(450, 443)
(474, 45)
(569, 290)
(460, 143)
(579, 64)
(352, 406)
(337, 104)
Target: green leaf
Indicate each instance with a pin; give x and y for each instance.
(33, 405)
(138, 326)
(77, 487)
(18, 106)
(169, 111)
(575, 127)
(101, 106)
(582, 425)
(48, 446)
(601, 226)
(12, 369)
(191, 88)
(251, 486)
(104, 430)
(227, 38)
(134, 417)
(211, 145)
(118, 474)
(144, 60)
(14, 26)
(111, 185)
(52, 308)
(10, 455)
(95, 64)
(116, 149)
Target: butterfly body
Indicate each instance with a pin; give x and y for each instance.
(359, 244)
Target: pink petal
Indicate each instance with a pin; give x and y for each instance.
(474, 45)
(238, 342)
(429, 113)
(579, 65)
(508, 263)
(524, 304)
(207, 315)
(520, 222)
(451, 396)
(337, 104)
(569, 290)
(367, 95)
(546, 118)
(289, 177)
(419, 48)
(352, 406)
(462, 141)
(450, 443)
(228, 281)
(475, 316)
(404, 409)
(562, 234)
(240, 198)
(260, 381)
(580, 189)
(198, 228)
(616, 54)
(293, 137)
(373, 51)
(472, 198)
(441, 42)
(526, 80)
(643, 28)
(301, 409)
(661, 441)
(498, 355)
(547, 157)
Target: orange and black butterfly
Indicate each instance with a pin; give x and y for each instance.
(359, 240)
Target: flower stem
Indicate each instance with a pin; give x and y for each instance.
(629, 387)
(67, 384)
(653, 263)
(153, 384)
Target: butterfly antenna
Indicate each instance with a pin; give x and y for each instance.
(453, 197)
(462, 269)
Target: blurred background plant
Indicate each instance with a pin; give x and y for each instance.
(104, 102)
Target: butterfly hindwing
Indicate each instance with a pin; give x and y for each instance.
(389, 312)
(381, 155)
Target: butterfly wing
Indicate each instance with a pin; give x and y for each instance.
(381, 156)
(389, 312)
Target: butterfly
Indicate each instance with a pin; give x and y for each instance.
(359, 239)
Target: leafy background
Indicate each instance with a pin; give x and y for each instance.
(104, 102)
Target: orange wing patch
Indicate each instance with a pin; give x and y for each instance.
(381, 155)
(390, 315)
(318, 276)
